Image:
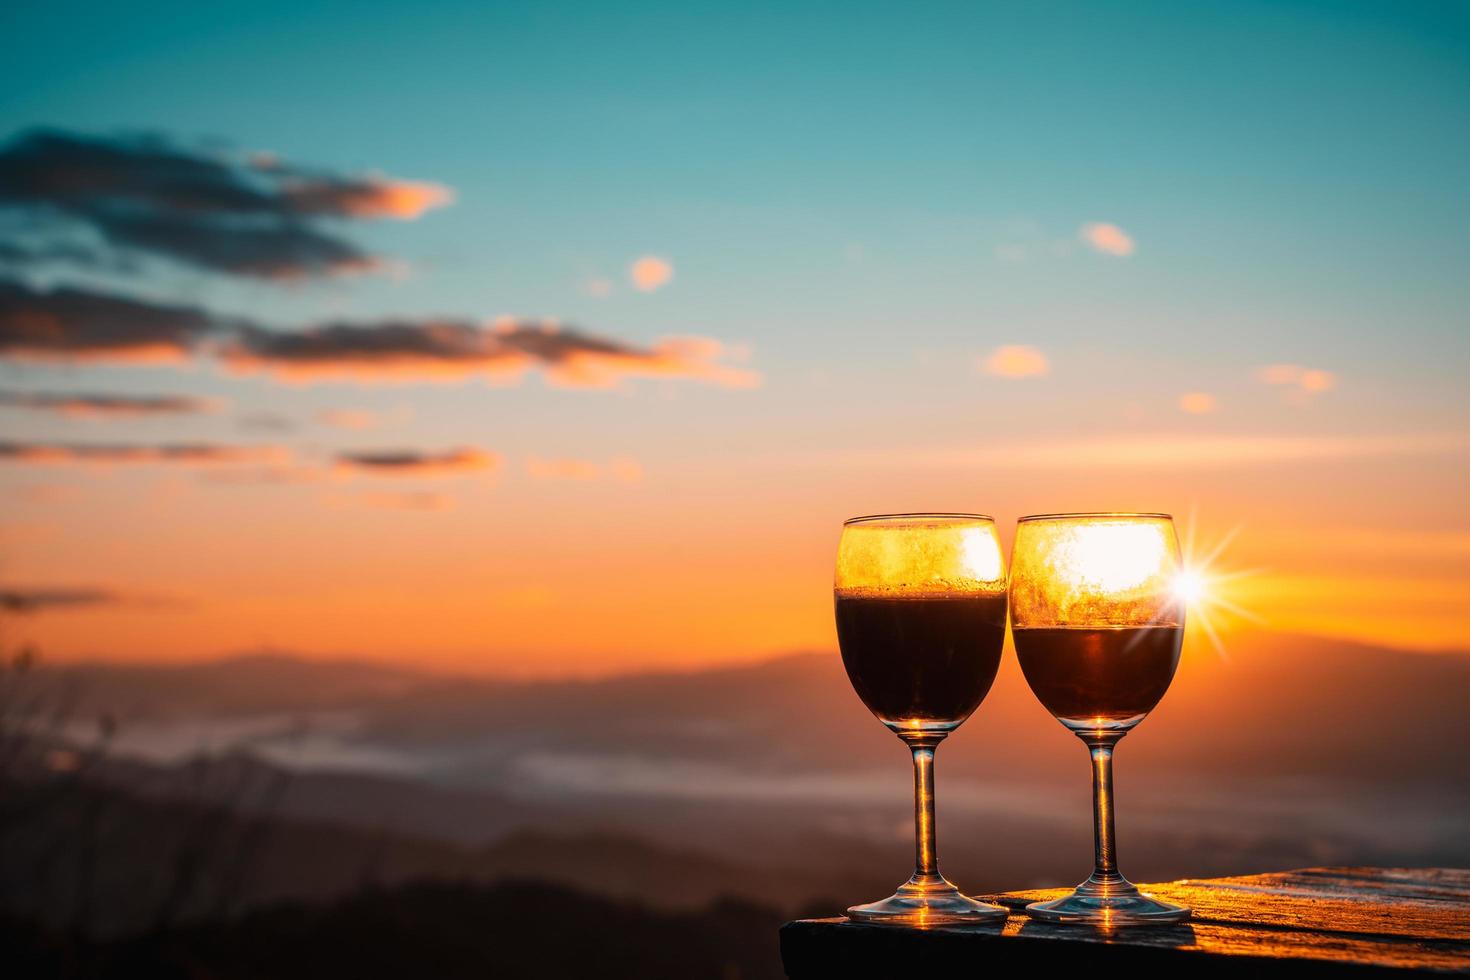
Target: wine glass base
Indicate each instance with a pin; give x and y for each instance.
(1133, 908)
(919, 905)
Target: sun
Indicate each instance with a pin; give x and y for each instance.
(1190, 586)
(1205, 588)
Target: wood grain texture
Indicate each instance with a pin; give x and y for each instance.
(1312, 922)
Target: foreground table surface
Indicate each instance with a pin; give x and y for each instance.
(1314, 922)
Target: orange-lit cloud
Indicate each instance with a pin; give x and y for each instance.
(1106, 238)
(454, 350)
(604, 366)
(373, 197)
(1306, 381)
(1316, 380)
(1016, 361)
(1197, 403)
(408, 462)
(75, 324)
(392, 350)
(650, 272)
(100, 406)
(182, 453)
(354, 419)
(618, 470)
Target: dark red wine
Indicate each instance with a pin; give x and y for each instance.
(921, 662)
(1099, 678)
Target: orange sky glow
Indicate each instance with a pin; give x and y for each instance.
(695, 563)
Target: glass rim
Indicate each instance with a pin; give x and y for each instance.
(918, 515)
(1088, 515)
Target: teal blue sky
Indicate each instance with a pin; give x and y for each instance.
(1275, 162)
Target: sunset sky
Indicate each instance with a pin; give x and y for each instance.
(539, 340)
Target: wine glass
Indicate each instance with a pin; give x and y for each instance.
(1098, 622)
(921, 619)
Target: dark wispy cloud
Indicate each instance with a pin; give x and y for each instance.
(104, 406)
(415, 348)
(284, 250)
(81, 324)
(65, 598)
(145, 194)
(42, 453)
(17, 600)
(453, 349)
(410, 462)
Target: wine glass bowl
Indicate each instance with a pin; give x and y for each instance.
(1098, 623)
(920, 602)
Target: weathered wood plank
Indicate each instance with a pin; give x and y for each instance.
(1411, 903)
(1311, 922)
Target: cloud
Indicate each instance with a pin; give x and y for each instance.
(374, 197)
(617, 470)
(40, 453)
(99, 406)
(146, 195)
(354, 419)
(283, 251)
(75, 324)
(1197, 403)
(409, 462)
(1306, 381)
(17, 600)
(452, 350)
(650, 272)
(61, 598)
(1016, 361)
(410, 349)
(1107, 239)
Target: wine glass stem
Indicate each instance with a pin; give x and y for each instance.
(1105, 856)
(926, 859)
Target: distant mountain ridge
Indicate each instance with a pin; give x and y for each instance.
(245, 683)
(1281, 707)
(1294, 751)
